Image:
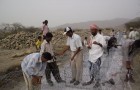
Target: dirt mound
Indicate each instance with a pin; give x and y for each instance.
(23, 39)
(19, 40)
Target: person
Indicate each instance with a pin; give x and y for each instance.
(85, 41)
(112, 42)
(74, 43)
(100, 31)
(38, 43)
(126, 43)
(112, 33)
(96, 45)
(124, 34)
(134, 34)
(85, 49)
(45, 28)
(33, 68)
(107, 38)
(52, 66)
(119, 35)
(114, 65)
(137, 35)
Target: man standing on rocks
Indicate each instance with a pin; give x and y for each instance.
(33, 68)
(134, 34)
(52, 66)
(126, 46)
(74, 43)
(96, 45)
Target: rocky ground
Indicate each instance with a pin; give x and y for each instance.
(16, 81)
(16, 46)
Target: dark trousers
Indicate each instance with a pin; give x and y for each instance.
(52, 68)
(44, 37)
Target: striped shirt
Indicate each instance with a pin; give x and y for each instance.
(74, 42)
(32, 65)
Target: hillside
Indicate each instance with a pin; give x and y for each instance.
(102, 24)
(135, 19)
(133, 23)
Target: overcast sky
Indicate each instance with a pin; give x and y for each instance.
(57, 12)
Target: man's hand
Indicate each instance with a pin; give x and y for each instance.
(72, 58)
(59, 54)
(95, 42)
(88, 47)
(56, 54)
(39, 79)
(65, 48)
(36, 80)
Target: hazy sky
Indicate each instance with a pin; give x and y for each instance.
(57, 12)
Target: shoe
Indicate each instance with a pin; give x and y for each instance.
(50, 83)
(131, 79)
(76, 83)
(61, 81)
(89, 82)
(97, 84)
(111, 81)
(103, 83)
(72, 81)
(126, 79)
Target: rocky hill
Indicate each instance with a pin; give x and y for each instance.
(23, 39)
(18, 41)
(103, 24)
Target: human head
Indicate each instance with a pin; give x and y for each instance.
(45, 22)
(135, 29)
(86, 38)
(94, 29)
(100, 31)
(39, 38)
(124, 35)
(48, 37)
(68, 31)
(131, 28)
(46, 56)
(112, 30)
